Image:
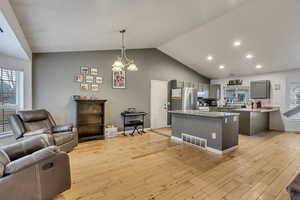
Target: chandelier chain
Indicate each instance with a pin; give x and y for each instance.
(123, 61)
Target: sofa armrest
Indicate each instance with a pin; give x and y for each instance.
(26, 146)
(48, 138)
(4, 160)
(62, 128)
(30, 160)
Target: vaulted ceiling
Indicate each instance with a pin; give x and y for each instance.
(268, 29)
(9, 44)
(188, 30)
(12, 40)
(76, 25)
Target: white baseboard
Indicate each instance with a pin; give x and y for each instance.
(220, 152)
(176, 139)
(212, 150)
(231, 149)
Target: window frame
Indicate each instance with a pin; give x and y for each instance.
(292, 82)
(19, 89)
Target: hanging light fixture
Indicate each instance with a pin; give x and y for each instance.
(123, 62)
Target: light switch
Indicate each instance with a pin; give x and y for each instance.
(214, 136)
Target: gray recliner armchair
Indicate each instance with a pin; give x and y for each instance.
(30, 123)
(32, 170)
(294, 188)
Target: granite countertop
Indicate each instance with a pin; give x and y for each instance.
(204, 114)
(257, 110)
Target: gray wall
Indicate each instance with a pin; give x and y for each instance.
(53, 81)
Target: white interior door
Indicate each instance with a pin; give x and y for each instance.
(159, 104)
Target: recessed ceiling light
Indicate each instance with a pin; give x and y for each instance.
(221, 67)
(249, 56)
(259, 66)
(237, 43)
(210, 58)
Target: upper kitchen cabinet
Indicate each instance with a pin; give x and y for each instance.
(260, 89)
(203, 91)
(215, 91)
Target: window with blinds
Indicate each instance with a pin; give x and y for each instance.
(293, 94)
(8, 96)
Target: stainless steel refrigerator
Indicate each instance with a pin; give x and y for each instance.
(189, 99)
(183, 99)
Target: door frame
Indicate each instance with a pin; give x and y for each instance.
(152, 102)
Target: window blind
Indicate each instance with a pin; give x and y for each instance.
(8, 96)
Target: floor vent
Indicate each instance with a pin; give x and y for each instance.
(195, 141)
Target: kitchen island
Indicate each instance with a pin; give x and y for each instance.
(216, 132)
(254, 121)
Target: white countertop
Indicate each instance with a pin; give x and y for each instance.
(257, 110)
(204, 114)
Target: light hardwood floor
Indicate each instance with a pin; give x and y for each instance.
(154, 167)
(163, 131)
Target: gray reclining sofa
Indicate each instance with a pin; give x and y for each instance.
(32, 170)
(30, 123)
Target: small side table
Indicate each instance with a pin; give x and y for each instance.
(134, 119)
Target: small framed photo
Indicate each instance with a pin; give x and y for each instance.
(84, 86)
(84, 70)
(89, 79)
(95, 87)
(79, 78)
(119, 80)
(98, 80)
(94, 71)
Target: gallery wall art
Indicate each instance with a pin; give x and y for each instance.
(89, 79)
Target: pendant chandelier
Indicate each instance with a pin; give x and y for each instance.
(123, 62)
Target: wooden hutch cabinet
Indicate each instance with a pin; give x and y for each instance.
(90, 119)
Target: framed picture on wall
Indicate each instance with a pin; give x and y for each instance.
(79, 78)
(84, 70)
(98, 80)
(89, 79)
(95, 87)
(84, 86)
(119, 80)
(94, 71)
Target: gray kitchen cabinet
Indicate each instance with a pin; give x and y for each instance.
(215, 91)
(260, 89)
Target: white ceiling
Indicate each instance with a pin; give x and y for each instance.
(9, 44)
(186, 30)
(268, 28)
(78, 25)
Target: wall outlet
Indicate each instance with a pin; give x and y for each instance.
(214, 136)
